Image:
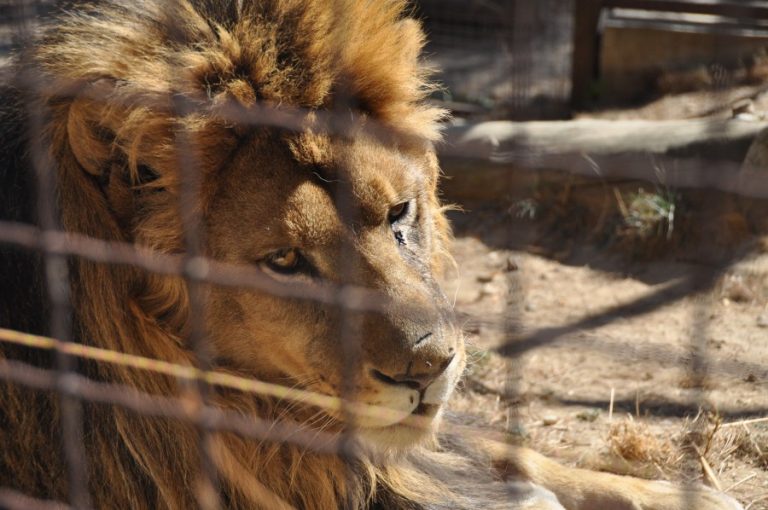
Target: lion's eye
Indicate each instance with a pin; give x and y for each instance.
(286, 261)
(397, 212)
(145, 174)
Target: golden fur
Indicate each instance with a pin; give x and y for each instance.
(111, 84)
(306, 123)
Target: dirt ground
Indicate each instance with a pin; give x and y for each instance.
(639, 368)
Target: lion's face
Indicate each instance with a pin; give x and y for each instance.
(315, 209)
(323, 211)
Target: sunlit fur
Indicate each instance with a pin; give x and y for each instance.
(107, 82)
(117, 98)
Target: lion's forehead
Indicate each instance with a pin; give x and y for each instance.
(352, 181)
(310, 217)
(268, 198)
(317, 213)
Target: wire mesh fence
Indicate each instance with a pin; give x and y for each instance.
(511, 60)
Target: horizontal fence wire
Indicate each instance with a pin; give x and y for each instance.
(351, 297)
(12, 500)
(191, 373)
(193, 405)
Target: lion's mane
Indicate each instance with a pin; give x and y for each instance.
(149, 70)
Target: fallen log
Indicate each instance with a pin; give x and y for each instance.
(700, 153)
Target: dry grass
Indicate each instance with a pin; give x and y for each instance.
(751, 443)
(569, 399)
(696, 451)
(633, 441)
(690, 449)
(744, 284)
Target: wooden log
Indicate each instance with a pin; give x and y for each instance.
(702, 153)
(749, 9)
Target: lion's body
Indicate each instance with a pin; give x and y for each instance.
(305, 123)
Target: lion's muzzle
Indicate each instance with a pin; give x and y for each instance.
(417, 361)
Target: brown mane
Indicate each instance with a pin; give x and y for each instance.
(124, 69)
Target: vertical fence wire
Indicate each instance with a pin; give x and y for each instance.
(350, 322)
(698, 375)
(57, 285)
(196, 270)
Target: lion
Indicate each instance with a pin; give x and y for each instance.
(300, 135)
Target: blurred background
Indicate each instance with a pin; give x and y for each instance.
(609, 162)
(609, 167)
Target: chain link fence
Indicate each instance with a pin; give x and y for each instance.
(525, 117)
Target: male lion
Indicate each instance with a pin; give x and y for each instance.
(305, 124)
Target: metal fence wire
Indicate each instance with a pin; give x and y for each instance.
(514, 74)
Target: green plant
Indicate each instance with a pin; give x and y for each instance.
(525, 208)
(650, 215)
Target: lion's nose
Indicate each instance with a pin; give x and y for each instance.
(418, 375)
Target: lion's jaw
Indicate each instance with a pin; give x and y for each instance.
(408, 351)
(417, 414)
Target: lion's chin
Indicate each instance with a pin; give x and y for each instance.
(416, 429)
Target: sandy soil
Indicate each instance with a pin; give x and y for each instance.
(668, 340)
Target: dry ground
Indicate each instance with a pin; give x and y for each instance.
(590, 330)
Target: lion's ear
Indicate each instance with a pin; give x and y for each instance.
(90, 149)
(90, 141)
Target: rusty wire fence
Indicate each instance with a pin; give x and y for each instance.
(524, 51)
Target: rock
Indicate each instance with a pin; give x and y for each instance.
(743, 107)
(491, 289)
(589, 415)
(484, 278)
(494, 258)
(756, 159)
(762, 244)
(736, 289)
(549, 420)
(762, 320)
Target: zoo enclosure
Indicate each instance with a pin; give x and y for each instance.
(533, 60)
